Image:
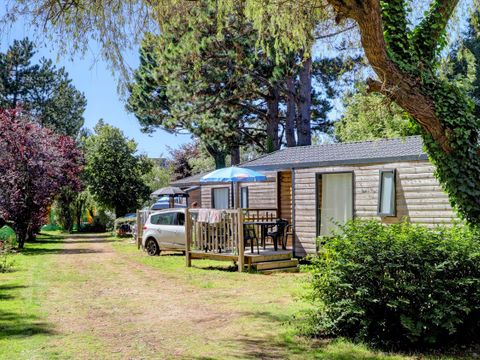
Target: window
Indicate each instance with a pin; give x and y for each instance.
(244, 197)
(386, 196)
(220, 198)
(180, 219)
(334, 201)
(163, 219)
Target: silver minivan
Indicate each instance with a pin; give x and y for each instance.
(164, 230)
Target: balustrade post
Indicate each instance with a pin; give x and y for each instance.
(240, 242)
(188, 237)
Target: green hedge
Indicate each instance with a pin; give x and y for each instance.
(6, 233)
(398, 285)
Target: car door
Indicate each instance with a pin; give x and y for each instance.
(165, 229)
(180, 229)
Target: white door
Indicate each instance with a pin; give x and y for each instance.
(337, 201)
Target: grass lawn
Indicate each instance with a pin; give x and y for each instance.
(24, 331)
(68, 301)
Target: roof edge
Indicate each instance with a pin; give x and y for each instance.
(307, 165)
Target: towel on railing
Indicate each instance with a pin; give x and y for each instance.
(203, 216)
(215, 216)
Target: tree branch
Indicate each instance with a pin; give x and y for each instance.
(399, 86)
(427, 34)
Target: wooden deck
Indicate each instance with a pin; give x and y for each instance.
(266, 261)
(265, 255)
(224, 240)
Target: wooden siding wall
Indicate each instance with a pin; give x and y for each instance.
(195, 196)
(261, 195)
(207, 194)
(419, 197)
(285, 195)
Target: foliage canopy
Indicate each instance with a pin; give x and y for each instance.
(40, 89)
(113, 171)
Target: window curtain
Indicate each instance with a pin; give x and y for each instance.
(337, 201)
(244, 197)
(388, 193)
(220, 198)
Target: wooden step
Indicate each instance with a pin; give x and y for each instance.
(267, 265)
(294, 269)
(267, 257)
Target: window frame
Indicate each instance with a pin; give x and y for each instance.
(244, 188)
(213, 195)
(318, 205)
(393, 211)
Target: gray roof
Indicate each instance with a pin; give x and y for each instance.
(408, 148)
(364, 152)
(188, 181)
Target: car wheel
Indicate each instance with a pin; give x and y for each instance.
(152, 247)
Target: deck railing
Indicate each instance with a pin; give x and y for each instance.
(260, 214)
(224, 236)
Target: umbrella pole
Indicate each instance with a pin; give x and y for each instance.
(233, 198)
(237, 195)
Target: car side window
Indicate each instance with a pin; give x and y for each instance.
(163, 219)
(154, 219)
(180, 218)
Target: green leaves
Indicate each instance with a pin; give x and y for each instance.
(40, 89)
(115, 174)
(398, 285)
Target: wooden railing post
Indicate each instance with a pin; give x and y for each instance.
(188, 237)
(139, 230)
(241, 246)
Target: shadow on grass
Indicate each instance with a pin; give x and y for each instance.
(69, 241)
(19, 324)
(35, 247)
(5, 288)
(286, 344)
(279, 343)
(45, 251)
(229, 268)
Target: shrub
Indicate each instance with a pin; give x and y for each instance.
(7, 243)
(398, 285)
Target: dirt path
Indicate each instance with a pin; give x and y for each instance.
(114, 307)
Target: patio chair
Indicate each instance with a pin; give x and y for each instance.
(288, 232)
(250, 235)
(278, 234)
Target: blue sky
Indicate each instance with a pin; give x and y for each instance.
(91, 76)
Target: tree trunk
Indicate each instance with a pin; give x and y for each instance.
(120, 210)
(78, 217)
(21, 237)
(291, 113)
(304, 133)
(273, 120)
(218, 156)
(235, 155)
(31, 236)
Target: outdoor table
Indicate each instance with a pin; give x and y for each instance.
(264, 225)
